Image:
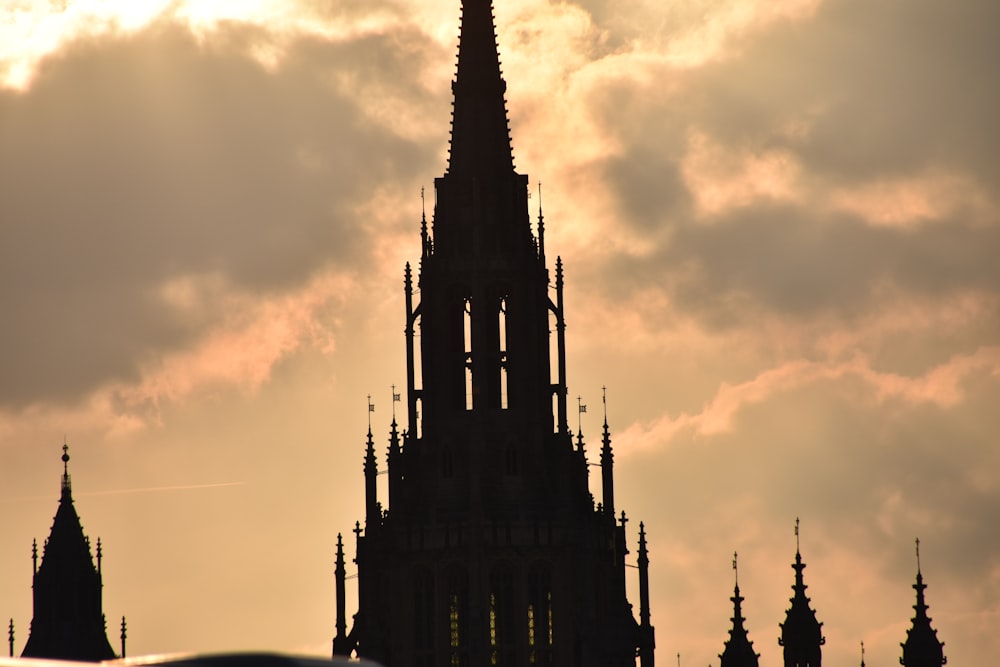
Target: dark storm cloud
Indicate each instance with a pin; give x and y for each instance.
(137, 160)
(858, 94)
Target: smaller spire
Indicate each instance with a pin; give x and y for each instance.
(10, 638)
(862, 653)
(922, 648)
(607, 462)
(738, 650)
(124, 636)
(424, 237)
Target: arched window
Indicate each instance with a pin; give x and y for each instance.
(467, 336)
(423, 614)
(540, 614)
(502, 335)
(458, 613)
(502, 638)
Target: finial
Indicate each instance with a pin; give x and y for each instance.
(65, 456)
(796, 534)
(10, 637)
(604, 402)
(99, 555)
(678, 660)
(396, 398)
(862, 653)
(623, 520)
(579, 419)
(357, 529)
(918, 555)
(371, 409)
(34, 554)
(736, 571)
(123, 635)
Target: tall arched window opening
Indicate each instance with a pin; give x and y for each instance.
(502, 331)
(501, 616)
(467, 335)
(458, 605)
(540, 636)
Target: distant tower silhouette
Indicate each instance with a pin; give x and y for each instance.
(801, 634)
(68, 621)
(922, 648)
(739, 649)
(491, 551)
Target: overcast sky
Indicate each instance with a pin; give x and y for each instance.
(780, 222)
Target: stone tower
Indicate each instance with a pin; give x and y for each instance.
(68, 621)
(491, 550)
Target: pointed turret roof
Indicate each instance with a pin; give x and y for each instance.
(801, 634)
(922, 647)
(480, 133)
(739, 649)
(68, 621)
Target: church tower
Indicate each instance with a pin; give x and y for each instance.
(68, 621)
(491, 550)
(922, 647)
(801, 634)
(739, 649)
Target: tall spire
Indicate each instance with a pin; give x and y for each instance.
(801, 634)
(739, 649)
(922, 647)
(480, 134)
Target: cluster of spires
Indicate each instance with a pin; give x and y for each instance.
(802, 636)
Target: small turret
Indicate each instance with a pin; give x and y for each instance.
(739, 649)
(922, 647)
(68, 621)
(801, 634)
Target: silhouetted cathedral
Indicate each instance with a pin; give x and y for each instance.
(491, 550)
(68, 621)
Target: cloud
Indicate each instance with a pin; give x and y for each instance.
(140, 163)
(942, 386)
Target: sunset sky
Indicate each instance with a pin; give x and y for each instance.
(780, 221)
